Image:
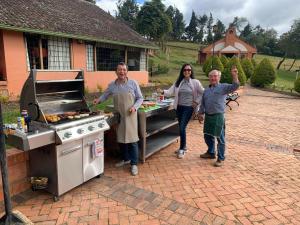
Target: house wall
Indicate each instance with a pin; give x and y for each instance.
(15, 61)
(17, 71)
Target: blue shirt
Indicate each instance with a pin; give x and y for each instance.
(213, 99)
(129, 86)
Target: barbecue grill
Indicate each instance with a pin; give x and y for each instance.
(66, 137)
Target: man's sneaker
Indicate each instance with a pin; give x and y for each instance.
(185, 149)
(134, 170)
(207, 155)
(219, 163)
(122, 163)
(180, 154)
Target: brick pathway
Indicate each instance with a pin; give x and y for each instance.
(259, 184)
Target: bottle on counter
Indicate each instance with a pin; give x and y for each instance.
(24, 115)
(19, 123)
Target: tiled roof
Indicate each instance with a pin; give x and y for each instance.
(70, 18)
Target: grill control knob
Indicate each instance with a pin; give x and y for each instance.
(101, 124)
(91, 128)
(80, 131)
(68, 134)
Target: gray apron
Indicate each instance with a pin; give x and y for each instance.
(127, 131)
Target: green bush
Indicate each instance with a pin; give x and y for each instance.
(254, 63)
(224, 60)
(297, 85)
(161, 69)
(214, 64)
(264, 74)
(206, 63)
(226, 76)
(247, 67)
(4, 99)
(150, 62)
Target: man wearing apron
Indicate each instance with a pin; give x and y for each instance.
(127, 98)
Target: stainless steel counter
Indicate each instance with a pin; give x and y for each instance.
(158, 128)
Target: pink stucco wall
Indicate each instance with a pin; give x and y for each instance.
(17, 71)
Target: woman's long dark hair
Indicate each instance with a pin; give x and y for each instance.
(181, 76)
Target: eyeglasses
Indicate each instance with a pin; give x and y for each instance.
(189, 70)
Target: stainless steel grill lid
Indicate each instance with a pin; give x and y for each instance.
(64, 93)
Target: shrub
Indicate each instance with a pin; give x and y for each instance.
(264, 74)
(224, 60)
(214, 64)
(4, 99)
(254, 63)
(206, 63)
(161, 69)
(297, 85)
(247, 67)
(226, 76)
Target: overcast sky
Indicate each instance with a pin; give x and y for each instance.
(277, 14)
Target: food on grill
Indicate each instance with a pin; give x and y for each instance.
(70, 117)
(70, 113)
(52, 118)
(77, 117)
(84, 115)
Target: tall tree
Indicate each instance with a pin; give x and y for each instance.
(238, 23)
(127, 11)
(178, 25)
(153, 22)
(290, 43)
(220, 30)
(191, 29)
(202, 20)
(209, 37)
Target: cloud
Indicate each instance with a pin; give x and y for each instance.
(108, 5)
(278, 14)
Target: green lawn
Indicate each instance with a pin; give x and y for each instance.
(176, 57)
(275, 60)
(285, 80)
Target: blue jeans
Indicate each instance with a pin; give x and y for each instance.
(210, 142)
(130, 151)
(184, 114)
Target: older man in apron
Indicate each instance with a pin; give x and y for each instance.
(127, 98)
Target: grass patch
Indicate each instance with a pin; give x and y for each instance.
(285, 80)
(275, 60)
(179, 54)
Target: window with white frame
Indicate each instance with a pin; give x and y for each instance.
(108, 56)
(90, 57)
(143, 60)
(51, 53)
(133, 59)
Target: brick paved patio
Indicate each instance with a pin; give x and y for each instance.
(259, 184)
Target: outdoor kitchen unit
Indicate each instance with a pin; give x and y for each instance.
(65, 142)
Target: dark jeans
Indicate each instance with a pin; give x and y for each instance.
(130, 151)
(210, 142)
(184, 114)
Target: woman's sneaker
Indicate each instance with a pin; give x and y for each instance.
(181, 153)
(185, 149)
(134, 170)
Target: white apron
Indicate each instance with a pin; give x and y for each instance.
(127, 130)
